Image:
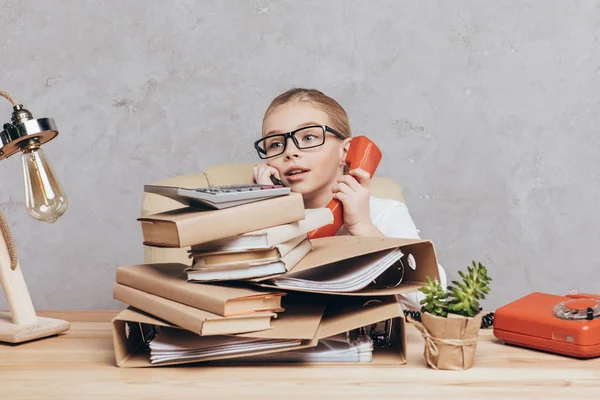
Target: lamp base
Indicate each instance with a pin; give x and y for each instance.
(43, 327)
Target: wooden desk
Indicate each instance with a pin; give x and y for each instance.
(80, 365)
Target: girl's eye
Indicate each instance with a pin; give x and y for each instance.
(275, 145)
(312, 135)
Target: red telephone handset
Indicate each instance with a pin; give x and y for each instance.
(363, 154)
(583, 296)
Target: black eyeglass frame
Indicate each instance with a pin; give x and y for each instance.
(292, 135)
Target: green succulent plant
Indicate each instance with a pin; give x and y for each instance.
(435, 301)
(462, 298)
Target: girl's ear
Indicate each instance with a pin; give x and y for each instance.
(344, 150)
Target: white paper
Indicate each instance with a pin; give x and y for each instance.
(334, 349)
(177, 344)
(247, 272)
(345, 276)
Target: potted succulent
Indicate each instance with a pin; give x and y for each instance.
(451, 319)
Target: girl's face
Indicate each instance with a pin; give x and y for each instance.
(319, 166)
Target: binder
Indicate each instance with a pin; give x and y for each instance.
(305, 320)
(346, 252)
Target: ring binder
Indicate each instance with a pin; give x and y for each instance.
(395, 275)
(380, 333)
(148, 333)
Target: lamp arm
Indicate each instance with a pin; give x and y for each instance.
(13, 282)
(8, 97)
(4, 229)
(10, 243)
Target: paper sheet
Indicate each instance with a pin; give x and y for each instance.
(345, 276)
(176, 344)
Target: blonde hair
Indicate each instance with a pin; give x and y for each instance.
(333, 109)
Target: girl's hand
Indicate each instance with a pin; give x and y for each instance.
(354, 191)
(263, 172)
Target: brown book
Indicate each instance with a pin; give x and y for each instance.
(269, 237)
(198, 321)
(244, 270)
(251, 256)
(169, 280)
(191, 226)
(216, 258)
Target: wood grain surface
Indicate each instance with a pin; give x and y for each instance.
(80, 365)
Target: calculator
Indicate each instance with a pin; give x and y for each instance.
(219, 197)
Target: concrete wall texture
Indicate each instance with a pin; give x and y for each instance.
(487, 113)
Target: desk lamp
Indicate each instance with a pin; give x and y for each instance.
(45, 201)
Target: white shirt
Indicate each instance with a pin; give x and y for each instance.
(392, 218)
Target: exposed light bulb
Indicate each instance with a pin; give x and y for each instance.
(44, 195)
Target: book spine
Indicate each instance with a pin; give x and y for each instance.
(240, 219)
(146, 283)
(298, 253)
(181, 315)
(286, 247)
(315, 218)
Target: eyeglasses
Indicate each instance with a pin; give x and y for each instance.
(304, 138)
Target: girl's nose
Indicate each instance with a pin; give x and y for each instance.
(291, 150)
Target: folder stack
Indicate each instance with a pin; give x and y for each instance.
(258, 290)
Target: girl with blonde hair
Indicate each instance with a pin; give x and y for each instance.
(305, 138)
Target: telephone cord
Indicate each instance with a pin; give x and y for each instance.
(486, 322)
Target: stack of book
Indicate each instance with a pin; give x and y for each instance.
(259, 290)
(252, 240)
(257, 254)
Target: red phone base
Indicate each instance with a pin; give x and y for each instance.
(568, 325)
(549, 345)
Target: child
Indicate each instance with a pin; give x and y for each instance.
(312, 163)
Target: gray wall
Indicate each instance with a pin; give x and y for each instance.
(487, 113)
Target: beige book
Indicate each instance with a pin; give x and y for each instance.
(168, 280)
(249, 257)
(245, 270)
(237, 257)
(269, 237)
(198, 321)
(191, 226)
